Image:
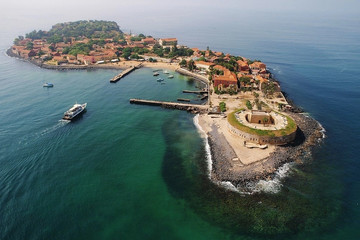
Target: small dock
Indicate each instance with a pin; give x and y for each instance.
(124, 73)
(172, 105)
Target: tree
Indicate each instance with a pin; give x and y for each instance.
(191, 65)
(183, 63)
(245, 80)
(166, 50)
(222, 106)
(134, 56)
(52, 48)
(248, 105)
(29, 46)
(40, 53)
(202, 58)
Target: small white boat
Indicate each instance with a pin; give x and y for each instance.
(160, 79)
(48, 85)
(166, 72)
(171, 76)
(156, 74)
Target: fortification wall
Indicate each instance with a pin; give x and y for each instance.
(281, 140)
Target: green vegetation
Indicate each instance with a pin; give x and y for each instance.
(258, 104)
(202, 58)
(222, 106)
(135, 56)
(19, 38)
(135, 39)
(182, 51)
(79, 48)
(183, 63)
(158, 50)
(252, 61)
(191, 65)
(245, 80)
(55, 38)
(126, 53)
(290, 128)
(268, 88)
(29, 46)
(89, 29)
(140, 50)
(248, 105)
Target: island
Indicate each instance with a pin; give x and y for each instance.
(249, 122)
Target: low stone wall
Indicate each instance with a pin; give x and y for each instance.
(281, 140)
(194, 75)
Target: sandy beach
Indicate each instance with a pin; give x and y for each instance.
(130, 63)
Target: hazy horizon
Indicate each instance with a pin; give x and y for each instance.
(24, 16)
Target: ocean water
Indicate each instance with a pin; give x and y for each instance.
(140, 172)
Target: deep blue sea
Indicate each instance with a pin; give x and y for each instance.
(127, 171)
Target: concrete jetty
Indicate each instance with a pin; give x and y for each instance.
(172, 105)
(124, 73)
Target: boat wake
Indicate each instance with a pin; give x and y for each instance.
(34, 136)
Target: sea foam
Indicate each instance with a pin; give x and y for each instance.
(268, 186)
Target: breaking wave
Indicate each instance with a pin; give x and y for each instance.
(273, 185)
(268, 186)
(207, 145)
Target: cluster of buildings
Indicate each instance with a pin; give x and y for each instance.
(52, 53)
(255, 72)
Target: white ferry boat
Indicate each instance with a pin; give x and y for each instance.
(74, 111)
(48, 85)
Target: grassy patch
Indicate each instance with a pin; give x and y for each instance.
(290, 127)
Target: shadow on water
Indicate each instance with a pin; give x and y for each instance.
(298, 208)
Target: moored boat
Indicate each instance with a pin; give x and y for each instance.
(48, 85)
(74, 111)
(166, 72)
(160, 79)
(171, 76)
(156, 74)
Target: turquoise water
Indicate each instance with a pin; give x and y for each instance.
(139, 172)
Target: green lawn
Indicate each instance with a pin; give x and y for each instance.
(290, 128)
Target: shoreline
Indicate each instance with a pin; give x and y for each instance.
(119, 65)
(229, 162)
(223, 169)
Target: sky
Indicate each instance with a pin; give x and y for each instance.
(20, 16)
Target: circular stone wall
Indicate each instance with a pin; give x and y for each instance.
(261, 134)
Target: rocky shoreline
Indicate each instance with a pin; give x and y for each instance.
(308, 136)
